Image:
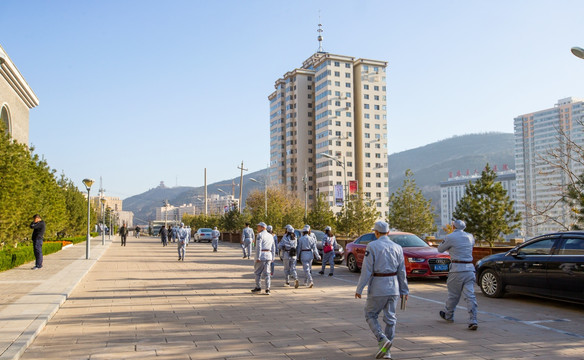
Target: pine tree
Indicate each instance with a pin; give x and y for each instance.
(321, 215)
(487, 209)
(409, 210)
(357, 216)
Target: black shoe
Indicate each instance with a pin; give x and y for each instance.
(321, 272)
(179, 258)
(244, 256)
(255, 290)
(35, 268)
(443, 316)
(330, 274)
(267, 291)
(248, 257)
(473, 326)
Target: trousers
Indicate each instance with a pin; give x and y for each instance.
(262, 269)
(376, 304)
(38, 252)
(461, 284)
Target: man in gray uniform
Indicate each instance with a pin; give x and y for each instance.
(263, 256)
(288, 244)
(461, 277)
(307, 252)
(247, 236)
(384, 272)
(215, 238)
(182, 236)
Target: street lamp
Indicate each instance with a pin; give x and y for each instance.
(578, 51)
(88, 183)
(342, 164)
(265, 195)
(103, 201)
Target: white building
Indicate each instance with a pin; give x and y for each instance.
(539, 184)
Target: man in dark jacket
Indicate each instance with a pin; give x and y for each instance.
(163, 235)
(124, 234)
(38, 233)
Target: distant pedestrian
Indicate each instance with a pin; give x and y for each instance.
(137, 231)
(124, 234)
(163, 235)
(173, 232)
(215, 234)
(328, 251)
(270, 230)
(265, 252)
(38, 227)
(307, 252)
(461, 276)
(183, 237)
(288, 245)
(247, 237)
(384, 272)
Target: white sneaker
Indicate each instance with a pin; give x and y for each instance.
(387, 355)
(287, 284)
(384, 346)
(310, 285)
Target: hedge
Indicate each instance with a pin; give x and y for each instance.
(13, 257)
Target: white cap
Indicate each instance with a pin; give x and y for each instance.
(262, 224)
(215, 228)
(381, 226)
(459, 224)
(289, 228)
(269, 228)
(328, 228)
(306, 228)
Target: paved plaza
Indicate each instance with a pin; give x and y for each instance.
(139, 302)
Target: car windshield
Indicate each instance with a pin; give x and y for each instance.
(205, 230)
(408, 240)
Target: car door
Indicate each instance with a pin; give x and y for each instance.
(566, 268)
(360, 250)
(525, 268)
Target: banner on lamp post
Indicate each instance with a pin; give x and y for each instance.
(353, 187)
(338, 195)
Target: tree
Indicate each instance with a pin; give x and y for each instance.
(357, 216)
(233, 220)
(409, 210)
(574, 198)
(487, 209)
(321, 215)
(283, 208)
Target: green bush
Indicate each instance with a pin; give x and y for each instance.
(13, 257)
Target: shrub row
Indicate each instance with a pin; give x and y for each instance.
(13, 257)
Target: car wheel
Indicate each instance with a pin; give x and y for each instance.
(491, 284)
(352, 264)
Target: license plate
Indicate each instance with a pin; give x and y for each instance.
(440, 267)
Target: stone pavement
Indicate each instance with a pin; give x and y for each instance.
(139, 302)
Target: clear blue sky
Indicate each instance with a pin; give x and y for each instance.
(143, 91)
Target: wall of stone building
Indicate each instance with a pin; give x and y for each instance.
(18, 112)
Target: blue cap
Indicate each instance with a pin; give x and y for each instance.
(382, 227)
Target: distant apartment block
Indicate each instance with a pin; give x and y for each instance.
(539, 184)
(333, 105)
(453, 189)
(16, 99)
(216, 205)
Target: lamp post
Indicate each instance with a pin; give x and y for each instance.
(109, 209)
(88, 183)
(342, 164)
(103, 201)
(578, 51)
(265, 194)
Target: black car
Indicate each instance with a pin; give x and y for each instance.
(339, 251)
(550, 265)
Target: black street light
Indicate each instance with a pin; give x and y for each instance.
(88, 183)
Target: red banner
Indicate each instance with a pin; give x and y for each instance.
(353, 186)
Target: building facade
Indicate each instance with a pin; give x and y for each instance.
(453, 189)
(16, 100)
(328, 129)
(544, 139)
(216, 205)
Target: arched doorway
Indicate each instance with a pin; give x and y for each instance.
(5, 119)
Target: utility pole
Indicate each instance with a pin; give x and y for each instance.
(205, 191)
(102, 200)
(241, 186)
(305, 181)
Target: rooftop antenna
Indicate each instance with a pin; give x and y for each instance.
(320, 49)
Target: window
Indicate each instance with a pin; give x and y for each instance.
(366, 96)
(366, 87)
(366, 106)
(572, 247)
(337, 73)
(376, 125)
(348, 124)
(348, 114)
(347, 65)
(376, 107)
(376, 88)
(309, 87)
(367, 155)
(349, 143)
(337, 64)
(337, 93)
(348, 85)
(367, 184)
(376, 97)
(337, 123)
(348, 75)
(542, 247)
(367, 174)
(366, 116)
(366, 125)
(337, 83)
(367, 136)
(339, 173)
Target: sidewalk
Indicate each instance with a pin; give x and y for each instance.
(139, 302)
(28, 299)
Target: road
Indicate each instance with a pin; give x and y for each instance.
(140, 302)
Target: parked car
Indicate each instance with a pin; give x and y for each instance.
(339, 251)
(420, 258)
(550, 265)
(203, 234)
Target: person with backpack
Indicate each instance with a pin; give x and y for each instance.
(288, 245)
(328, 251)
(183, 237)
(307, 252)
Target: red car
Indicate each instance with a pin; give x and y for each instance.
(421, 259)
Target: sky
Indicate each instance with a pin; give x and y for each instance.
(139, 91)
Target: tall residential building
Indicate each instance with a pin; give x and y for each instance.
(333, 105)
(453, 189)
(544, 138)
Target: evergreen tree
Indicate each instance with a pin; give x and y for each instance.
(409, 210)
(357, 216)
(283, 208)
(233, 221)
(487, 209)
(321, 215)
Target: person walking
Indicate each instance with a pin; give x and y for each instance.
(384, 272)
(288, 245)
(163, 235)
(307, 252)
(328, 251)
(247, 236)
(173, 233)
(270, 230)
(215, 238)
(137, 231)
(265, 252)
(461, 276)
(182, 238)
(38, 227)
(123, 234)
